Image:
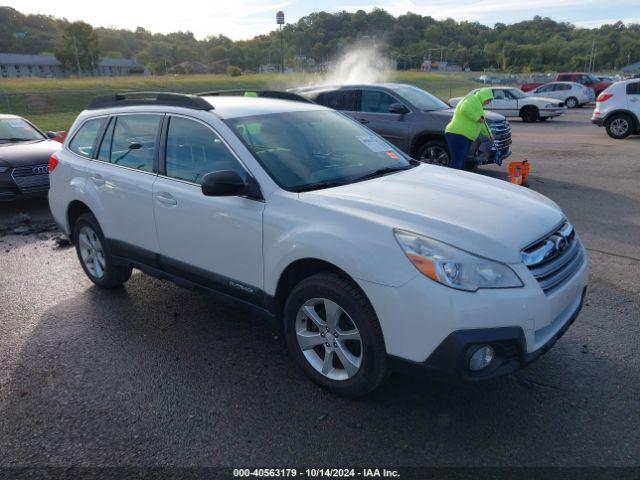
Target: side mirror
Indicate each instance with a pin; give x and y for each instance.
(135, 146)
(224, 183)
(51, 135)
(398, 108)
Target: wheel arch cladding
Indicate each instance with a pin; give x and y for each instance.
(296, 272)
(75, 209)
(628, 113)
(421, 138)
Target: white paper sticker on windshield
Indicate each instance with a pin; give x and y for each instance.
(374, 143)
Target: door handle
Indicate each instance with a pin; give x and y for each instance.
(166, 199)
(634, 99)
(97, 179)
(364, 121)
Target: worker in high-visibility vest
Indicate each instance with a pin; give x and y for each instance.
(466, 125)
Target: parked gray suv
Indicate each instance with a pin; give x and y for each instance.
(407, 116)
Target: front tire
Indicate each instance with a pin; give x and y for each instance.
(434, 152)
(94, 255)
(619, 126)
(529, 114)
(572, 102)
(333, 334)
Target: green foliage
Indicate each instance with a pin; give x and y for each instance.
(532, 45)
(80, 51)
(234, 71)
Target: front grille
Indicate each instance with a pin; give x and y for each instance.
(502, 136)
(554, 259)
(31, 178)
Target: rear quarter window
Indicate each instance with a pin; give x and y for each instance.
(85, 139)
(633, 88)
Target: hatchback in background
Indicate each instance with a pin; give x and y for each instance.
(618, 109)
(24, 158)
(572, 94)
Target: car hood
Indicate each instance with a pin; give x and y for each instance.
(489, 217)
(537, 98)
(27, 153)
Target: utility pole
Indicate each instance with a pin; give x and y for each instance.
(593, 46)
(280, 22)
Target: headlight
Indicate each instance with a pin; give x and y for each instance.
(453, 267)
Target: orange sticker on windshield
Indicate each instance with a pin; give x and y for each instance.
(392, 154)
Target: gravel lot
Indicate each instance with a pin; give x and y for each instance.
(155, 375)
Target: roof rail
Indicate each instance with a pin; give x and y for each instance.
(256, 93)
(126, 99)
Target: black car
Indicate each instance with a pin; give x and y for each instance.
(407, 116)
(24, 158)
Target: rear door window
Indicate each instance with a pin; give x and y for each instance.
(84, 141)
(559, 87)
(633, 88)
(131, 141)
(344, 100)
(546, 88)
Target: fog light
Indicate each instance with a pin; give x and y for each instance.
(481, 358)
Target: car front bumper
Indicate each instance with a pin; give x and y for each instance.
(429, 327)
(450, 360)
(551, 112)
(22, 182)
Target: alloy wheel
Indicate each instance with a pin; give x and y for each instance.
(329, 339)
(619, 127)
(435, 155)
(91, 252)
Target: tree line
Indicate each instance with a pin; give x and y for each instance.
(539, 44)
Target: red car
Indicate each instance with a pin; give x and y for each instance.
(586, 79)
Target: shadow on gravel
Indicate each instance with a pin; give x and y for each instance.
(156, 375)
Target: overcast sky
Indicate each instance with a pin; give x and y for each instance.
(241, 19)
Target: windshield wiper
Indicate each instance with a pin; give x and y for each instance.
(318, 186)
(382, 171)
(16, 139)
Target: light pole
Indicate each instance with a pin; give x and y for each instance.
(280, 22)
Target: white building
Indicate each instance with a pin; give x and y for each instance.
(15, 65)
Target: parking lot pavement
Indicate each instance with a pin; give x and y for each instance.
(155, 375)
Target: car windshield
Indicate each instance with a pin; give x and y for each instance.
(419, 98)
(316, 149)
(17, 130)
(593, 78)
(516, 93)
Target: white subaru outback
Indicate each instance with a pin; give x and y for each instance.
(369, 260)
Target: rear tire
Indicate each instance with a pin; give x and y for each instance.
(333, 334)
(529, 114)
(572, 102)
(434, 152)
(619, 126)
(94, 255)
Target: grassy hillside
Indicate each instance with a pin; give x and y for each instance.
(53, 103)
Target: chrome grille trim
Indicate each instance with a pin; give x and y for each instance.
(555, 258)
